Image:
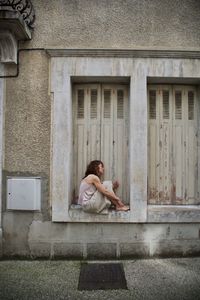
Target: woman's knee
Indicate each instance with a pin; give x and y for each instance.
(108, 185)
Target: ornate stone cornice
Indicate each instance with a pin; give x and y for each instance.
(16, 21)
(24, 7)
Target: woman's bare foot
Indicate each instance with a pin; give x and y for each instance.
(123, 208)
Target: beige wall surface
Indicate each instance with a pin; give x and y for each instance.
(27, 120)
(116, 24)
(131, 24)
(27, 116)
(78, 23)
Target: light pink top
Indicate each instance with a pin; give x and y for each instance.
(86, 191)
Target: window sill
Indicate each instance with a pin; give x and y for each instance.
(155, 214)
(173, 213)
(76, 214)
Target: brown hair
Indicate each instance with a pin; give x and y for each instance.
(92, 168)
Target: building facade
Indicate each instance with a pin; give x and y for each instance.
(112, 80)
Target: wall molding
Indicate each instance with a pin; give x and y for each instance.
(124, 53)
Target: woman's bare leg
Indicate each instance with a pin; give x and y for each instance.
(119, 205)
(115, 185)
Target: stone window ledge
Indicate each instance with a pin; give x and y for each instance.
(155, 214)
(173, 213)
(76, 214)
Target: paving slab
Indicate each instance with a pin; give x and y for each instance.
(167, 279)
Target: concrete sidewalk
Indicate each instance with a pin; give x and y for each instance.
(167, 279)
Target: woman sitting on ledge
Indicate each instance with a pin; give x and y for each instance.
(94, 196)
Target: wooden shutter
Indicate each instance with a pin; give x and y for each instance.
(86, 107)
(172, 145)
(100, 132)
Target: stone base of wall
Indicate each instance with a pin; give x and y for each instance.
(103, 251)
(101, 241)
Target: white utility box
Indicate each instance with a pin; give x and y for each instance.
(24, 193)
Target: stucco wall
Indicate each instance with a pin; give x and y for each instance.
(27, 122)
(116, 24)
(172, 24)
(27, 116)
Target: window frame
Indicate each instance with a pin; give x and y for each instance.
(64, 68)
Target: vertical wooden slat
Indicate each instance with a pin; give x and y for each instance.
(107, 104)
(120, 145)
(191, 164)
(152, 104)
(125, 145)
(81, 103)
(178, 145)
(107, 132)
(166, 160)
(93, 104)
(153, 143)
(120, 104)
(192, 160)
(152, 179)
(165, 101)
(161, 164)
(178, 159)
(80, 136)
(178, 105)
(93, 123)
(82, 153)
(185, 146)
(190, 105)
(167, 133)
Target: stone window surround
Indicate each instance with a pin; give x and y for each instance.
(141, 67)
(2, 91)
